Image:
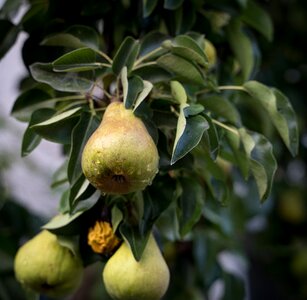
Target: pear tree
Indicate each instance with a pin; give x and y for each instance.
(157, 108)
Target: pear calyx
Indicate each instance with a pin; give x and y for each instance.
(120, 157)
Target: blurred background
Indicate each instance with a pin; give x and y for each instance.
(272, 237)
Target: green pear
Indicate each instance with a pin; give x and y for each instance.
(120, 157)
(128, 279)
(46, 267)
(210, 52)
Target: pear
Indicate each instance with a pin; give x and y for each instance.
(128, 279)
(210, 52)
(120, 157)
(46, 267)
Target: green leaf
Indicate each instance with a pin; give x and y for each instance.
(30, 138)
(190, 205)
(29, 101)
(59, 117)
(8, 36)
(143, 94)
(150, 44)
(80, 190)
(148, 7)
(134, 238)
(59, 177)
(154, 74)
(255, 16)
(126, 55)
(178, 92)
(211, 139)
(190, 133)
(157, 199)
(79, 60)
(238, 150)
(124, 81)
(65, 82)
(172, 4)
(134, 87)
(77, 36)
(242, 48)
(221, 107)
(58, 128)
(279, 110)
(80, 135)
(262, 161)
(193, 110)
(183, 69)
(186, 47)
(66, 223)
(117, 217)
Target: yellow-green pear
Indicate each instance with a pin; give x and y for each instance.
(46, 267)
(120, 157)
(128, 279)
(210, 52)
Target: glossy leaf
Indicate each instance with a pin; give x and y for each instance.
(147, 87)
(186, 47)
(126, 55)
(242, 48)
(30, 138)
(133, 237)
(77, 36)
(258, 18)
(135, 86)
(221, 107)
(58, 128)
(79, 60)
(154, 74)
(28, 102)
(65, 82)
(8, 36)
(150, 44)
(190, 205)
(148, 7)
(183, 69)
(191, 136)
(279, 110)
(262, 161)
(80, 135)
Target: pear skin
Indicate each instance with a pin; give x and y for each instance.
(120, 157)
(128, 279)
(46, 267)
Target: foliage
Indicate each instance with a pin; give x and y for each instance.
(151, 55)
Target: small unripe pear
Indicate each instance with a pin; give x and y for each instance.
(210, 52)
(128, 279)
(120, 157)
(46, 267)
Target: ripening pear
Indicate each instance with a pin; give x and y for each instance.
(128, 279)
(120, 157)
(210, 52)
(48, 268)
